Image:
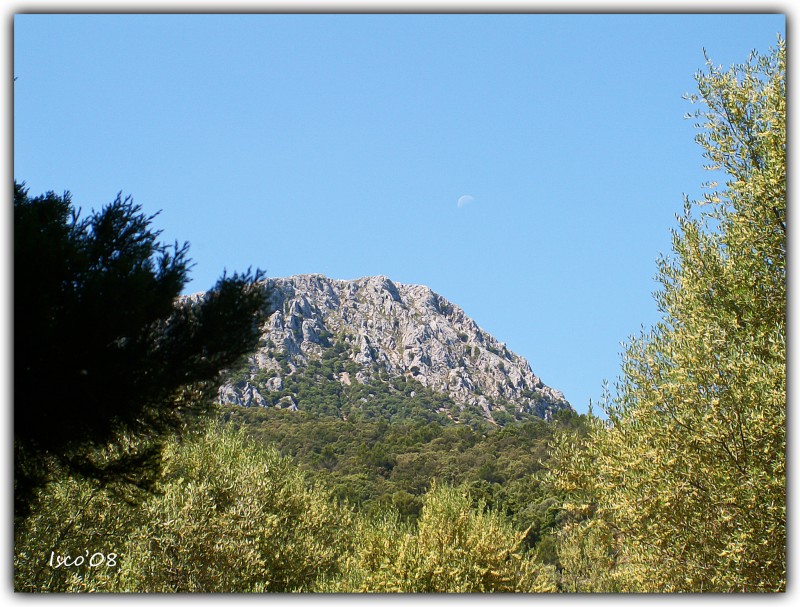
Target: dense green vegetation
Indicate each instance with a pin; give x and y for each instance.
(376, 464)
(230, 515)
(382, 444)
(684, 489)
(227, 516)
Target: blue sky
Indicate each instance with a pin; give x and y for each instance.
(526, 167)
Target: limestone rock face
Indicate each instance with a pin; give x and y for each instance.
(389, 328)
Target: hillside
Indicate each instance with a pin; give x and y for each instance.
(355, 339)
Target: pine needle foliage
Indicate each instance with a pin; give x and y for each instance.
(105, 349)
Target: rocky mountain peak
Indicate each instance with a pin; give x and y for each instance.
(386, 330)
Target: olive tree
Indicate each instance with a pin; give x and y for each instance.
(688, 473)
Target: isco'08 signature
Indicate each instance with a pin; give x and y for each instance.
(98, 559)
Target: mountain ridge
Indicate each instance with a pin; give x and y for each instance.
(383, 330)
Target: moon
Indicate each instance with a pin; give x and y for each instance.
(463, 200)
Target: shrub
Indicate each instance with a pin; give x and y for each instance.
(454, 548)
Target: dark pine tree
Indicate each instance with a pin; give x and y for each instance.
(109, 360)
